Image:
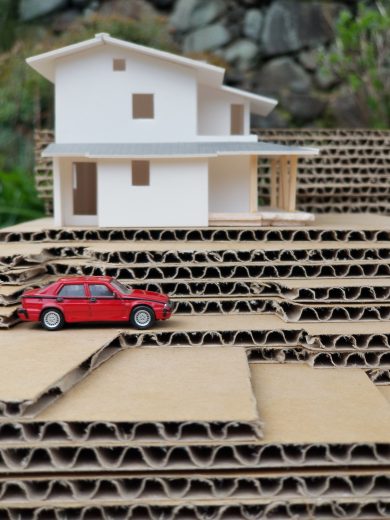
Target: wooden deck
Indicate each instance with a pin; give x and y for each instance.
(266, 217)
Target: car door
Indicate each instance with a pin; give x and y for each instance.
(74, 303)
(105, 304)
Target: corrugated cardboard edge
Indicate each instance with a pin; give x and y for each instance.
(189, 486)
(303, 509)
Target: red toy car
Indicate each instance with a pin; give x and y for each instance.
(93, 298)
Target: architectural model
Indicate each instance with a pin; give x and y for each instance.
(146, 138)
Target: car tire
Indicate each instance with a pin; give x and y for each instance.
(142, 317)
(52, 319)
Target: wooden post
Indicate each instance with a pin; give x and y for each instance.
(253, 190)
(293, 183)
(274, 183)
(284, 182)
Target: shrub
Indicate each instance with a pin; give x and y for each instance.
(361, 60)
(18, 198)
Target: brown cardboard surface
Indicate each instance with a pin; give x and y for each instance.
(166, 384)
(242, 506)
(7, 310)
(303, 405)
(21, 248)
(235, 246)
(335, 282)
(267, 322)
(32, 359)
(297, 404)
(9, 290)
(224, 322)
(329, 220)
(353, 220)
(385, 391)
(32, 225)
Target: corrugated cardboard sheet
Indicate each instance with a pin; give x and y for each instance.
(260, 398)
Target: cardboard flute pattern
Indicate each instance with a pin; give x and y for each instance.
(146, 138)
(268, 394)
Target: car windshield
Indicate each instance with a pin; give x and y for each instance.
(121, 287)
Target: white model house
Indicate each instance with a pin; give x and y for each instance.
(145, 138)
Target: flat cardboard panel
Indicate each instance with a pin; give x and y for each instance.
(385, 391)
(32, 359)
(301, 405)
(165, 384)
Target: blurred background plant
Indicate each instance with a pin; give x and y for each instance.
(327, 62)
(360, 58)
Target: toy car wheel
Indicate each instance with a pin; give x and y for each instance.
(142, 317)
(52, 319)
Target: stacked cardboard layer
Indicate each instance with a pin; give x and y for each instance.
(265, 396)
(43, 169)
(349, 175)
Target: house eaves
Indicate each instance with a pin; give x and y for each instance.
(260, 105)
(173, 150)
(45, 63)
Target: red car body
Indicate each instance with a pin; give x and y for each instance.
(93, 299)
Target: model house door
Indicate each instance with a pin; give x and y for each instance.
(84, 188)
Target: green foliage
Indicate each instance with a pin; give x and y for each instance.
(8, 17)
(361, 59)
(18, 198)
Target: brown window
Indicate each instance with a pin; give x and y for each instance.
(118, 64)
(237, 119)
(140, 173)
(143, 106)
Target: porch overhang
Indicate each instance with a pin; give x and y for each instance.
(174, 150)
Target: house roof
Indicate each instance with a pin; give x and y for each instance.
(45, 63)
(260, 105)
(191, 149)
(206, 74)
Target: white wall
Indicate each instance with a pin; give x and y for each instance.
(214, 111)
(229, 184)
(93, 103)
(177, 195)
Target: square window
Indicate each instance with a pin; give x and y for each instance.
(143, 106)
(140, 173)
(118, 64)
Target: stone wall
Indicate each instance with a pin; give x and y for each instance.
(271, 47)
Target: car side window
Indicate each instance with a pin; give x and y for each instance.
(72, 291)
(100, 291)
